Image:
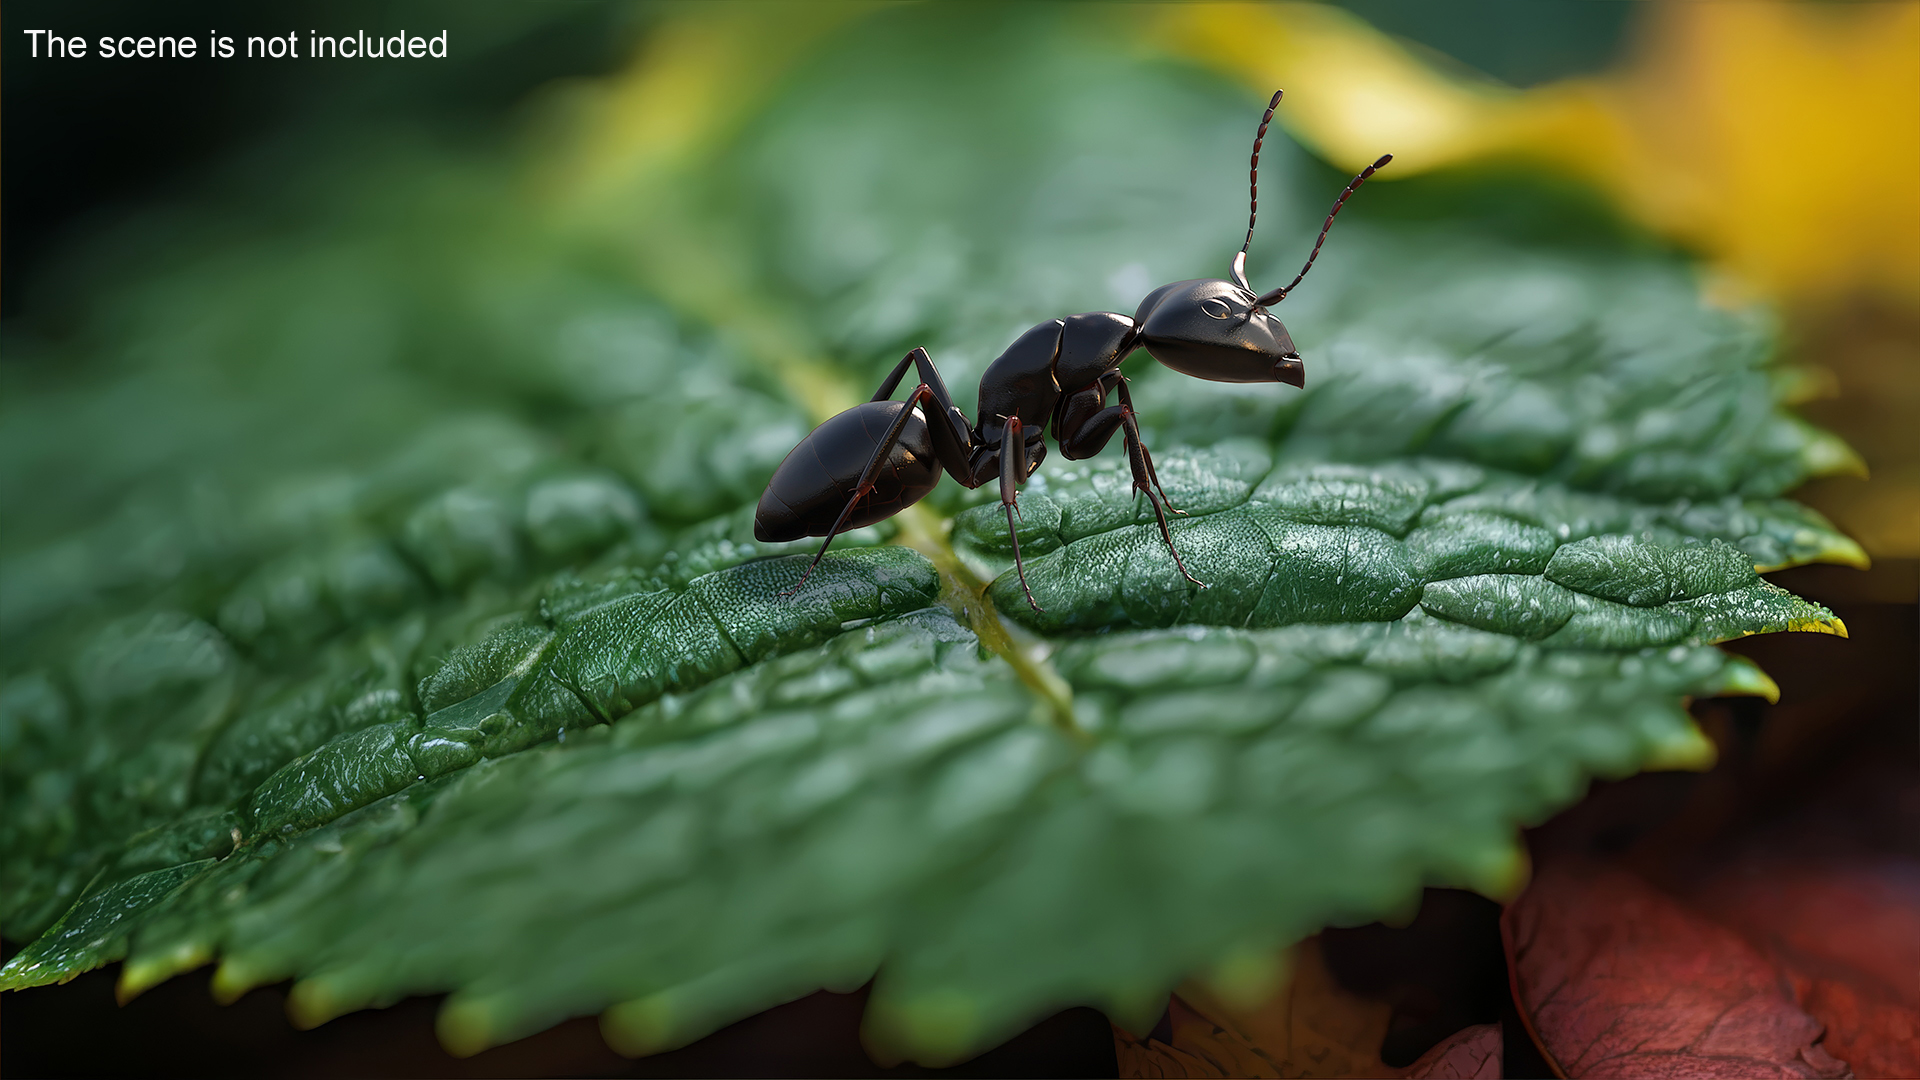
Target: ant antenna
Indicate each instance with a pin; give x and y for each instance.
(1280, 294)
(1253, 193)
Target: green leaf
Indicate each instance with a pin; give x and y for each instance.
(1341, 543)
(384, 610)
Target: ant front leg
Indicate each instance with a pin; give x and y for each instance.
(1133, 439)
(1084, 427)
(1142, 476)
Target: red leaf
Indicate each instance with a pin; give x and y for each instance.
(1618, 979)
(1845, 929)
(1468, 1054)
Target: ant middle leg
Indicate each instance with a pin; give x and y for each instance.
(1143, 476)
(1086, 422)
(1084, 427)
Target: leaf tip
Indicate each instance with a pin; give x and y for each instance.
(639, 1027)
(1827, 454)
(142, 974)
(1500, 873)
(1136, 1007)
(1824, 545)
(1247, 976)
(313, 1002)
(465, 1027)
(1841, 550)
(1743, 678)
(934, 1029)
(1683, 749)
(232, 979)
(1826, 624)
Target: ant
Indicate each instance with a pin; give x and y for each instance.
(880, 457)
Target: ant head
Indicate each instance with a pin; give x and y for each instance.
(1221, 330)
(1217, 330)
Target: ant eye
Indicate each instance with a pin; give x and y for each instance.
(1216, 308)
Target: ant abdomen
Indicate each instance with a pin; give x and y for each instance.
(825, 469)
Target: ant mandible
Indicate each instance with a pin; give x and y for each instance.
(880, 457)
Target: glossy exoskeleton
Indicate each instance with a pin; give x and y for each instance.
(880, 457)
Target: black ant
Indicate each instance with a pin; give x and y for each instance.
(880, 457)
